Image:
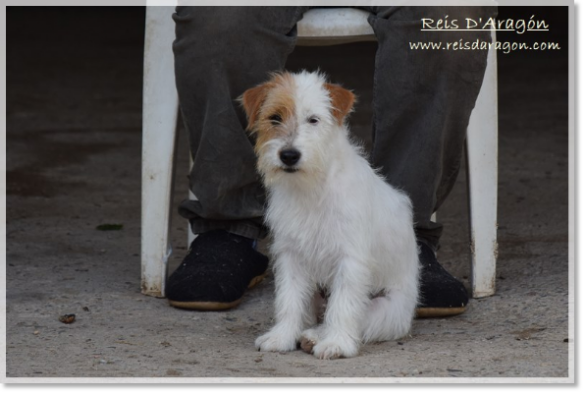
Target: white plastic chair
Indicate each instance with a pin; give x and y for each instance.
(318, 27)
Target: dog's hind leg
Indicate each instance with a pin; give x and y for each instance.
(310, 337)
(389, 317)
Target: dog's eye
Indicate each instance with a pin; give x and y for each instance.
(275, 119)
(313, 120)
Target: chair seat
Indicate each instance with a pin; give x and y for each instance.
(328, 26)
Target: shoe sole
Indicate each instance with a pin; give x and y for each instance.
(439, 312)
(220, 306)
(213, 305)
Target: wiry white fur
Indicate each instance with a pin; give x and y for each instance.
(335, 223)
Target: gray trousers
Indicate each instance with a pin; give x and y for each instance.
(422, 104)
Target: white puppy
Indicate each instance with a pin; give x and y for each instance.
(335, 223)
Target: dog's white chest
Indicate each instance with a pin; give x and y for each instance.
(315, 231)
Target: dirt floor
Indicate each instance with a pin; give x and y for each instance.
(73, 163)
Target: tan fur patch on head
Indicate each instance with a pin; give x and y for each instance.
(252, 99)
(342, 101)
(269, 106)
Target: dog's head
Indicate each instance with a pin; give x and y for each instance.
(295, 118)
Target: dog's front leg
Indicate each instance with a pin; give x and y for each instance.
(293, 305)
(340, 335)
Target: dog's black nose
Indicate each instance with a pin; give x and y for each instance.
(290, 157)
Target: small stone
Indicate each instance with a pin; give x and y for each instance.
(67, 319)
(173, 372)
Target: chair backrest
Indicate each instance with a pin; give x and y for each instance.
(329, 26)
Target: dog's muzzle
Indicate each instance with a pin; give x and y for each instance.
(290, 157)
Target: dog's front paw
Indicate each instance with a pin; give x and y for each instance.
(276, 341)
(328, 349)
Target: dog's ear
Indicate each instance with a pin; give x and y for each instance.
(251, 100)
(342, 101)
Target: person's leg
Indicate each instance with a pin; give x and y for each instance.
(422, 103)
(219, 53)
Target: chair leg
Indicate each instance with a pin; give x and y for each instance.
(159, 127)
(482, 155)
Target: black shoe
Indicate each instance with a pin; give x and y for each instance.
(441, 294)
(217, 271)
